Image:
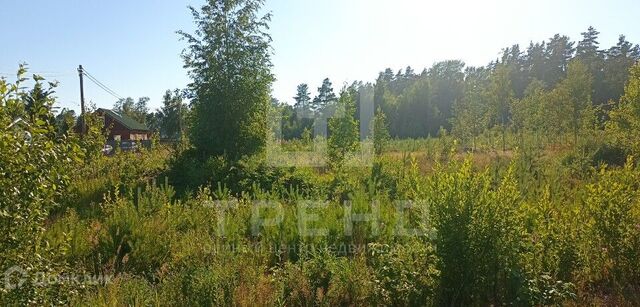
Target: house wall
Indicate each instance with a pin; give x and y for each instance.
(116, 130)
(119, 132)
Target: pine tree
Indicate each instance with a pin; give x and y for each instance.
(302, 121)
(326, 97)
(559, 53)
(592, 57)
(619, 60)
(536, 61)
(302, 98)
(513, 58)
(446, 82)
(416, 115)
(587, 48)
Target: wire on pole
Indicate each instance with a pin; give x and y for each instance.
(100, 84)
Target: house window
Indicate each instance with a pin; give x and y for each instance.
(138, 137)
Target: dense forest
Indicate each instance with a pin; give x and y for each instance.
(517, 183)
(467, 100)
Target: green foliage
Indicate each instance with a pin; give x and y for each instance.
(136, 110)
(326, 98)
(229, 63)
(470, 112)
(65, 122)
(479, 237)
(173, 115)
(415, 113)
(186, 172)
(624, 125)
(417, 105)
(303, 98)
(574, 94)
(344, 129)
(612, 212)
(620, 58)
(530, 114)
(404, 274)
(488, 240)
(35, 168)
(542, 224)
(94, 137)
(500, 96)
(381, 135)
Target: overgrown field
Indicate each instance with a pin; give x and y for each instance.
(527, 230)
(528, 196)
(427, 223)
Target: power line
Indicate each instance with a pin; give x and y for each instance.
(101, 85)
(43, 73)
(98, 82)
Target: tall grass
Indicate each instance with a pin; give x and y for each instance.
(525, 232)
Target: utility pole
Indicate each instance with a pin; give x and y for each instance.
(82, 122)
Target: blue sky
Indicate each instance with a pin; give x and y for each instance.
(131, 46)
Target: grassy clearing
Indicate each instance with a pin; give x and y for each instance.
(494, 228)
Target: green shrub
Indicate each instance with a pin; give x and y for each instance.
(479, 237)
(612, 216)
(404, 274)
(35, 168)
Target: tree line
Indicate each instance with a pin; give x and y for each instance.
(553, 86)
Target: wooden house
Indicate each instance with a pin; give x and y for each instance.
(123, 128)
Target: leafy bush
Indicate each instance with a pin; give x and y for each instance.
(404, 274)
(34, 172)
(479, 237)
(612, 215)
